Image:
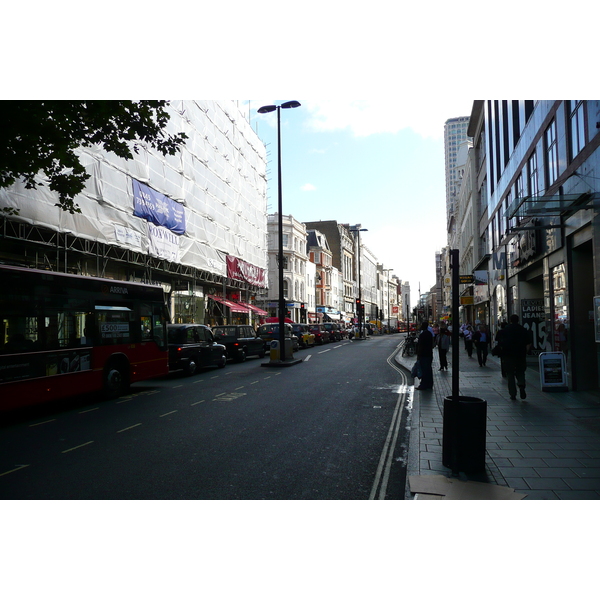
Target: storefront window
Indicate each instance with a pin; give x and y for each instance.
(561, 310)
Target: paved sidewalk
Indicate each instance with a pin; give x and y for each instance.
(546, 447)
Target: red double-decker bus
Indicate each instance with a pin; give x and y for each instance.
(62, 335)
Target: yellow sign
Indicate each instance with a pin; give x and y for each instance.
(466, 299)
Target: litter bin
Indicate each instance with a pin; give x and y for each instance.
(470, 432)
(274, 353)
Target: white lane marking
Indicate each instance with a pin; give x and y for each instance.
(167, 414)
(308, 357)
(127, 428)
(385, 462)
(76, 447)
(13, 470)
(229, 397)
(42, 423)
(199, 402)
(82, 412)
(339, 346)
(322, 351)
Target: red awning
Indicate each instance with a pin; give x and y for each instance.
(259, 311)
(276, 320)
(236, 308)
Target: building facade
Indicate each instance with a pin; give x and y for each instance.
(341, 243)
(540, 225)
(295, 259)
(194, 222)
(455, 133)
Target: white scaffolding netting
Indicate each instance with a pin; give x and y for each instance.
(218, 176)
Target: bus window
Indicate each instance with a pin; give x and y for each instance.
(20, 334)
(114, 324)
(159, 329)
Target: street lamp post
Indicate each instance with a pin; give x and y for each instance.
(357, 229)
(267, 109)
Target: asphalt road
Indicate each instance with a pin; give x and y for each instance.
(331, 427)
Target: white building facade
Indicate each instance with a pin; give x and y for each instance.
(194, 222)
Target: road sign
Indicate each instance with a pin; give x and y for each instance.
(466, 279)
(466, 300)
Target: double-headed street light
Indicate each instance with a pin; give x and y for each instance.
(282, 308)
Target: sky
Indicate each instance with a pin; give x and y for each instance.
(356, 161)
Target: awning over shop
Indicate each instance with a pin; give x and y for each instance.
(332, 316)
(236, 308)
(259, 311)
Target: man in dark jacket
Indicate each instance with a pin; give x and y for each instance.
(515, 341)
(425, 356)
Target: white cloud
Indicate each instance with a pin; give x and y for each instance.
(308, 187)
(424, 115)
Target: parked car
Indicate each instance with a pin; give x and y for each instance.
(306, 339)
(193, 346)
(335, 335)
(240, 340)
(320, 333)
(270, 332)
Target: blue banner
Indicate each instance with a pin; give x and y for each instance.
(158, 208)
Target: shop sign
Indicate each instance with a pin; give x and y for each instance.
(553, 372)
(533, 319)
(243, 271)
(481, 293)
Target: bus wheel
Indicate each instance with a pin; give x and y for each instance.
(115, 381)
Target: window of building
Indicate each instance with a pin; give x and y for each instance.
(551, 144)
(577, 121)
(532, 174)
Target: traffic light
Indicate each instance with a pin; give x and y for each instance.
(301, 305)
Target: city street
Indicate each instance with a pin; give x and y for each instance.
(331, 427)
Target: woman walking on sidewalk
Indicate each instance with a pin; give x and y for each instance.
(481, 338)
(469, 340)
(443, 344)
(425, 356)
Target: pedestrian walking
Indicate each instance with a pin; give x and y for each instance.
(468, 337)
(443, 345)
(515, 340)
(425, 356)
(481, 339)
(498, 341)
